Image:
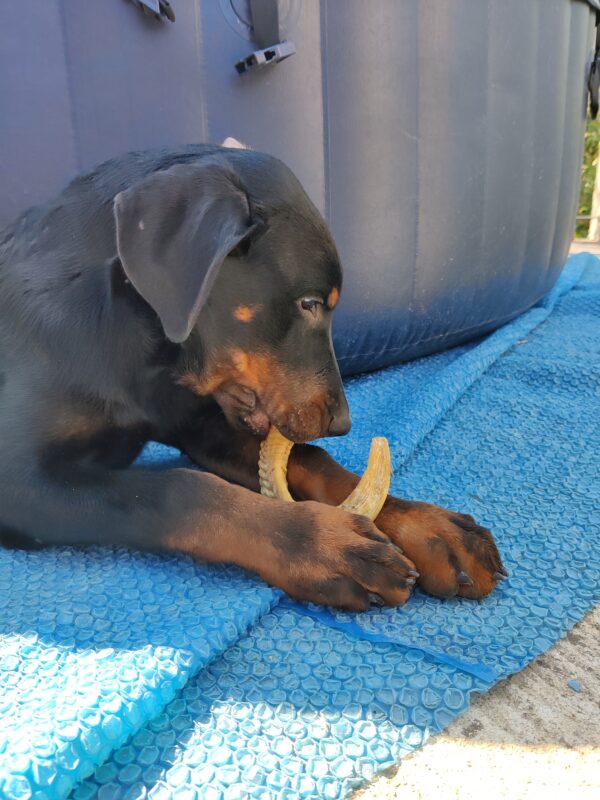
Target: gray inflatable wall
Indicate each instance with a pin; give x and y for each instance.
(442, 139)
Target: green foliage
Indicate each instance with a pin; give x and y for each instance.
(588, 175)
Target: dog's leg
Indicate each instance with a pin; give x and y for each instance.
(452, 553)
(315, 553)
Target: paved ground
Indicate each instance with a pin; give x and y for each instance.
(531, 737)
(581, 246)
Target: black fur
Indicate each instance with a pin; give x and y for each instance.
(98, 327)
(183, 296)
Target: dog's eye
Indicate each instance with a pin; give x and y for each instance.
(311, 304)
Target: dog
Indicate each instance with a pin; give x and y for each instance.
(186, 296)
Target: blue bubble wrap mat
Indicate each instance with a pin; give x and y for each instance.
(161, 678)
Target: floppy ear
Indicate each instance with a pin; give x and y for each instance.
(174, 230)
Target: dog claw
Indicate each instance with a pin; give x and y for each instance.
(464, 579)
(504, 572)
(500, 576)
(413, 573)
(376, 600)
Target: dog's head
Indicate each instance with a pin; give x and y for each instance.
(243, 273)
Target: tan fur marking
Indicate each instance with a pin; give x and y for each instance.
(252, 370)
(293, 399)
(244, 313)
(333, 297)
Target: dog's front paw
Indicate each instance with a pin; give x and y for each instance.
(452, 553)
(329, 556)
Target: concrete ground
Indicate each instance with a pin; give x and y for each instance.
(583, 246)
(530, 737)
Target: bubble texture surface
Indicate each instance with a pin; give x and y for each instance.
(95, 643)
(311, 703)
(294, 709)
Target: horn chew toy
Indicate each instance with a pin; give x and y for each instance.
(368, 496)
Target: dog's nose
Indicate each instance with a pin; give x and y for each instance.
(340, 422)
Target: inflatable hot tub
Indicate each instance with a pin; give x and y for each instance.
(442, 140)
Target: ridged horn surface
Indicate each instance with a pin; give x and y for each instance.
(368, 496)
(272, 465)
(371, 492)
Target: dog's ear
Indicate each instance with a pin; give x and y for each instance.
(174, 230)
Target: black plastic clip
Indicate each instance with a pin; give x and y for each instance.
(270, 55)
(267, 35)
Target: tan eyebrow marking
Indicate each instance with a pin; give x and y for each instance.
(333, 297)
(244, 313)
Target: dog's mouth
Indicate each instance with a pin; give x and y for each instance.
(242, 407)
(257, 421)
(245, 409)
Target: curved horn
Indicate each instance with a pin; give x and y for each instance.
(368, 496)
(272, 465)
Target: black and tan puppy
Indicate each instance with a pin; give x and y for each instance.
(186, 296)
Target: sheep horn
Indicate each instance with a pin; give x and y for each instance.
(368, 496)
